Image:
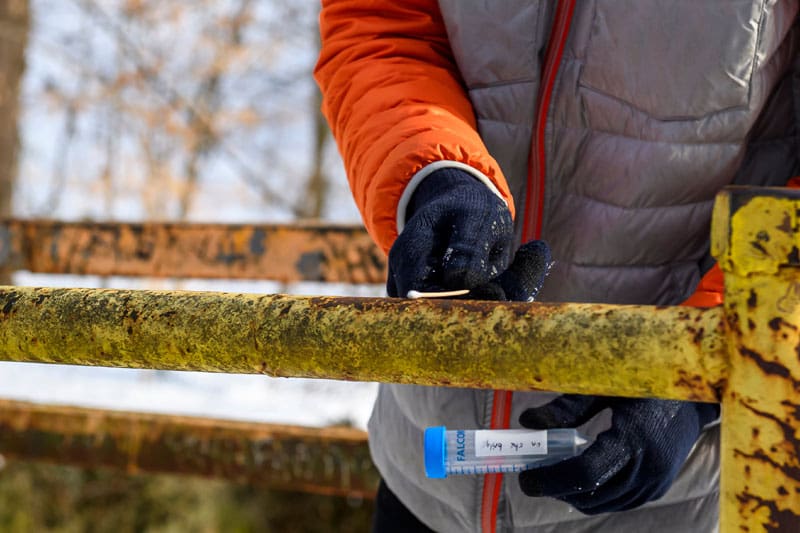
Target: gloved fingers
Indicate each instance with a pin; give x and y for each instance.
(602, 501)
(415, 260)
(566, 411)
(616, 494)
(453, 251)
(476, 253)
(586, 473)
(653, 437)
(524, 278)
(706, 412)
(391, 284)
(488, 291)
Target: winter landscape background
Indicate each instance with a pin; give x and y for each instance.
(112, 93)
(167, 110)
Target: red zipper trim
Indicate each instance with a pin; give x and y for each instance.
(532, 227)
(493, 483)
(534, 200)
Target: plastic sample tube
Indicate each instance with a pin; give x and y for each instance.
(492, 451)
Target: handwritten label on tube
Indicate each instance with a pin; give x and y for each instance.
(490, 443)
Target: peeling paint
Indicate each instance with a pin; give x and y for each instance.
(339, 253)
(627, 350)
(320, 460)
(762, 289)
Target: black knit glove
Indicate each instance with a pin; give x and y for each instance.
(459, 235)
(633, 462)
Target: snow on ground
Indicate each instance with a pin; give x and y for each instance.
(303, 402)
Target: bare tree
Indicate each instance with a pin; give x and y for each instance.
(14, 29)
(172, 98)
(313, 204)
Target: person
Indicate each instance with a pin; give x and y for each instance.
(603, 128)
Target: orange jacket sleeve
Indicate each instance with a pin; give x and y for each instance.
(395, 102)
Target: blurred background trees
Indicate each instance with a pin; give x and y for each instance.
(155, 109)
(14, 29)
(163, 110)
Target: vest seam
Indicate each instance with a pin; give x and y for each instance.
(500, 83)
(738, 108)
(644, 266)
(652, 141)
(634, 208)
(758, 142)
(506, 122)
(714, 493)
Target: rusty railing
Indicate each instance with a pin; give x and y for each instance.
(745, 354)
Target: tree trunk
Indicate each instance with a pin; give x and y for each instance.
(312, 205)
(14, 28)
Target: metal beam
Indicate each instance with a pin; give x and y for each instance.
(756, 235)
(333, 461)
(645, 351)
(285, 253)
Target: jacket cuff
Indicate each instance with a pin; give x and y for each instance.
(426, 171)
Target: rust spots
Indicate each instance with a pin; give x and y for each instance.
(13, 298)
(776, 323)
(772, 368)
(311, 252)
(695, 385)
(789, 437)
(782, 491)
(698, 336)
(793, 258)
(755, 433)
(780, 520)
(752, 300)
(758, 246)
(793, 407)
(761, 456)
(786, 224)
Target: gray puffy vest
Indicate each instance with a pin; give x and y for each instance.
(656, 106)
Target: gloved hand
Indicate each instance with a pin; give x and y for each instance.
(633, 462)
(459, 235)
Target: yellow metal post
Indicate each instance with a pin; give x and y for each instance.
(756, 239)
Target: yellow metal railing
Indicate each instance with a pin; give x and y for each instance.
(745, 355)
(330, 461)
(279, 252)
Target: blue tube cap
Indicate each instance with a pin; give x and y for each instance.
(435, 453)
